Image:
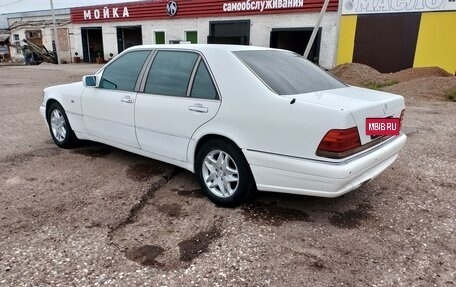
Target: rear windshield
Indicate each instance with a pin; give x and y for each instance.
(287, 73)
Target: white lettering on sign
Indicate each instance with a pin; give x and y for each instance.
(252, 5)
(125, 13)
(106, 13)
(87, 14)
(382, 126)
(393, 6)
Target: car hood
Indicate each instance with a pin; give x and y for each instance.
(65, 87)
(361, 103)
(68, 95)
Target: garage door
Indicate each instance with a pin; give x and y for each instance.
(386, 42)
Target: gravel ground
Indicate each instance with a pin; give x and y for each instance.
(97, 215)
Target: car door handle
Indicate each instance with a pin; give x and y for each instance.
(198, 108)
(127, 100)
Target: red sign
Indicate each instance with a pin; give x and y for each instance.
(383, 126)
(148, 10)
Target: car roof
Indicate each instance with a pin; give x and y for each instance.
(202, 47)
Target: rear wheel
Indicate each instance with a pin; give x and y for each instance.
(224, 173)
(59, 126)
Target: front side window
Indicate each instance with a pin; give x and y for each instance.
(203, 87)
(287, 73)
(123, 73)
(170, 73)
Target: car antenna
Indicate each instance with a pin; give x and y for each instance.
(292, 101)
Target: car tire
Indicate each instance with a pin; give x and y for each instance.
(224, 174)
(59, 127)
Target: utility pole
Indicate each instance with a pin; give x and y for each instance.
(315, 30)
(56, 38)
(339, 24)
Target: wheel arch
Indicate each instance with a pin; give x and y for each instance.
(247, 182)
(49, 102)
(70, 139)
(205, 139)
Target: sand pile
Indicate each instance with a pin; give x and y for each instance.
(424, 88)
(359, 74)
(413, 83)
(417, 73)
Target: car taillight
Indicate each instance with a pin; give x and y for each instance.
(339, 143)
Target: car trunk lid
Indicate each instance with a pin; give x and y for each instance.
(361, 103)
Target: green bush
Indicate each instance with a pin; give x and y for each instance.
(378, 86)
(451, 96)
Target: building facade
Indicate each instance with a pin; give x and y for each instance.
(36, 27)
(392, 35)
(105, 31)
(389, 35)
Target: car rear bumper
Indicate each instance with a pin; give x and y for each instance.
(286, 174)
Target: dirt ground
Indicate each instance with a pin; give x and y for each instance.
(96, 215)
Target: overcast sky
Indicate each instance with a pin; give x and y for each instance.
(11, 6)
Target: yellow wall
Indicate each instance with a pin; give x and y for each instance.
(436, 44)
(346, 39)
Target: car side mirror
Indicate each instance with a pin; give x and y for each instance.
(89, 81)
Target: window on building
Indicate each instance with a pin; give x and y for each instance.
(17, 43)
(32, 34)
(159, 37)
(123, 72)
(191, 36)
(203, 87)
(170, 73)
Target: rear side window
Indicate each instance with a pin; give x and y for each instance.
(170, 73)
(203, 87)
(287, 73)
(123, 73)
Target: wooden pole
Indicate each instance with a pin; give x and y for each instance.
(56, 38)
(315, 30)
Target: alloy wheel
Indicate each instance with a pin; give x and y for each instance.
(220, 173)
(58, 125)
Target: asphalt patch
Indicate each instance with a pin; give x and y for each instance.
(24, 157)
(318, 265)
(172, 210)
(145, 255)
(193, 193)
(198, 244)
(272, 214)
(94, 152)
(145, 171)
(448, 185)
(351, 218)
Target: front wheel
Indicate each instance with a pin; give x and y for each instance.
(59, 126)
(224, 173)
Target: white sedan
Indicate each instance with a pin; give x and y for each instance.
(241, 118)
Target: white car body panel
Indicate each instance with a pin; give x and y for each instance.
(307, 177)
(164, 124)
(278, 138)
(116, 120)
(354, 100)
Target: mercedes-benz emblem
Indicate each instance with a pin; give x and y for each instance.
(348, 5)
(171, 8)
(385, 108)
